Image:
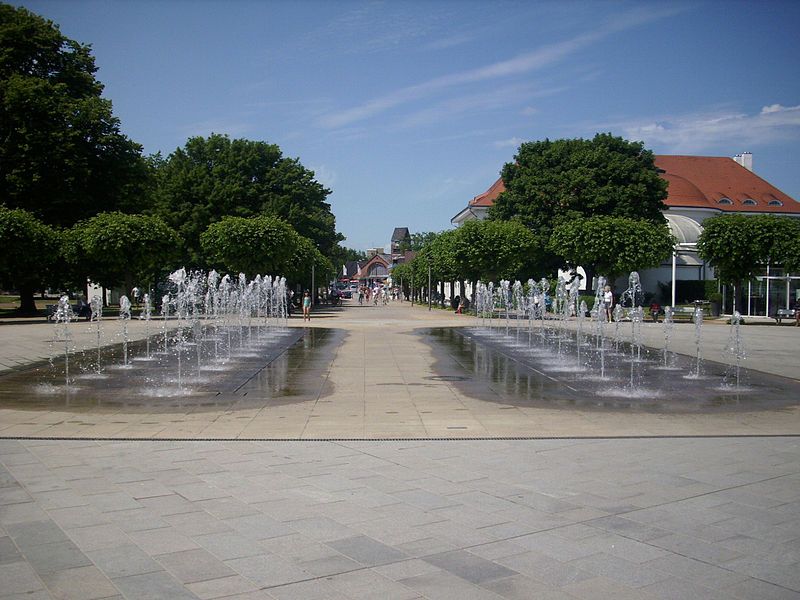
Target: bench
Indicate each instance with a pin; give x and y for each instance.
(681, 312)
(784, 313)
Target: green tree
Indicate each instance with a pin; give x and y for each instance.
(62, 156)
(298, 267)
(30, 251)
(257, 245)
(550, 182)
(740, 246)
(418, 241)
(612, 246)
(115, 249)
(214, 177)
(494, 250)
(342, 255)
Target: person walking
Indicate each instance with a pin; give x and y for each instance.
(307, 306)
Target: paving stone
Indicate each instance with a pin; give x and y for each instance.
(96, 537)
(367, 551)
(601, 588)
(446, 586)
(229, 545)
(366, 583)
(519, 587)
(19, 578)
(161, 541)
(122, 561)
(153, 586)
(83, 583)
(48, 558)
(545, 569)
(191, 566)
(469, 566)
(222, 587)
(268, 570)
(35, 533)
(258, 527)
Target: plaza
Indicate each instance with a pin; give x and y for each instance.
(381, 476)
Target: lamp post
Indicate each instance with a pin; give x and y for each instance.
(430, 296)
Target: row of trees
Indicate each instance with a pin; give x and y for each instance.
(80, 198)
(596, 203)
(117, 249)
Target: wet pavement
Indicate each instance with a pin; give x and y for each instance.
(520, 370)
(389, 372)
(269, 365)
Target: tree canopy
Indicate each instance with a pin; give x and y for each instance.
(62, 155)
(612, 246)
(256, 245)
(550, 181)
(214, 177)
(740, 246)
(115, 249)
(30, 250)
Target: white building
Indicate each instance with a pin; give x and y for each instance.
(701, 187)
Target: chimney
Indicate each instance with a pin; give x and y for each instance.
(745, 159)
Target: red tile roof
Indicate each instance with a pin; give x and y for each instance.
(701, 182)
(488, 197)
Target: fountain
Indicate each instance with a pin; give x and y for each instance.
(568, 345)
(63, 316)
(735, 349)
(125, 315)
(96, 305)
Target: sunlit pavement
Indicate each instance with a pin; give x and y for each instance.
(599, 517)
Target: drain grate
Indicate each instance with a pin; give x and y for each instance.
(446, 378)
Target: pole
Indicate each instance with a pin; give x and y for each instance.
(430, 296)
(674, 269)
(312, 284)
(412, 287)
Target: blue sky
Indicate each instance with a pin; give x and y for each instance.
(406, 110)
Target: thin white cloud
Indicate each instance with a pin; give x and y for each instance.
(325, 175)
(232, 128)
(513, 142)
(697, 132)
(521, 64)
(481, 101)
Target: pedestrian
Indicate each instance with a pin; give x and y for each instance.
(608, 302)
(307, 306)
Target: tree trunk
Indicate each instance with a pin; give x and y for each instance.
(27, 304)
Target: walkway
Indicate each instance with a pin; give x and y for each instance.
(658, 518)
(383, 380)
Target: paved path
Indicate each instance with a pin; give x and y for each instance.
(382, 381)
(559, 519)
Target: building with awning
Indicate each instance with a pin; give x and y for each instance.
(700, 187)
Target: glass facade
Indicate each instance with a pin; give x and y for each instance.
(766, 294)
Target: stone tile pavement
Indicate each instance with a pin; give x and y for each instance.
(657, 518)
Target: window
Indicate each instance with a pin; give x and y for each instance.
(775, 203)
(726, 201)
(749, 202)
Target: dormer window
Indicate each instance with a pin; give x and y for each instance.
(749, 202)
(726, 201)
(775, 203)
